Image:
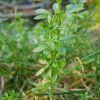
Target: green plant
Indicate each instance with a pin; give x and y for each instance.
(56, 48)
(85, 96)
(58, 40)
(16, 59)
(10, 95)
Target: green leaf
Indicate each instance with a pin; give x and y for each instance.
(42, 11)
(56, 7)
(40, 17)
(41, 71)
(75, 8)
(39, 48)
(43, 62)
(49, 18)
(55, 77)
(82, 1)
(52, 45)
(79, 1)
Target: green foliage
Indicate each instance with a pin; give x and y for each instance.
(10, 95)
(59, 39)
(38, 58)
(16, 44)
(85, 96)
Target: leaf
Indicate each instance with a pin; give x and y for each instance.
(43, 62)
(49, 18)
(55, 77)
(42, 11)
(52, 45)
(82, 1)
(40, 17)
(41, 71)
(68, 37)
(56, 7)
(79, 1)
(39, 48)
(75, 8)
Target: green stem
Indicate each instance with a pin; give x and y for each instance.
(97, 75)
(64, 92)
(90, 55)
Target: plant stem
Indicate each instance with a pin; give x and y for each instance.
(65, 92)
